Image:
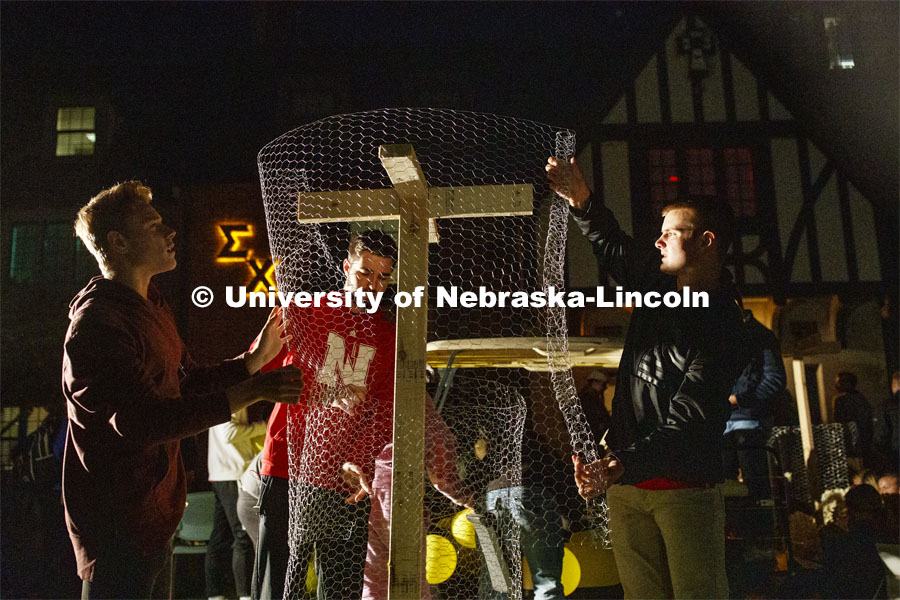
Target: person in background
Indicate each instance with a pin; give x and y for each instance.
(852, 566)
(538, 506)
(230, 555)
(594, 405)
(440, 466)
(863, 477)
(752, 401)
(850, 406)
(248, 499)
(887, 427)
(888, 484)
(889, 488)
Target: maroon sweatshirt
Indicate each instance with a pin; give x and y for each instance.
(132, 394)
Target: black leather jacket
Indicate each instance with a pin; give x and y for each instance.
(677, 369)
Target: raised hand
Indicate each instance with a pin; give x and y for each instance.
(271, 339)
(567, 180)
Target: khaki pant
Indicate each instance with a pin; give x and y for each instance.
(669, 544)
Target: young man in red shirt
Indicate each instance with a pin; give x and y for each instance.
(343, 423)
(344, 416)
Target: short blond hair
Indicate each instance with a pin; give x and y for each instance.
(109, 211)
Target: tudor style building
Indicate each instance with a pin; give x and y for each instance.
(737, 100)
(811, 258)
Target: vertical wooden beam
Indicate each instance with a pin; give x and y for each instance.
(662, 78)
(406, 557)
(847, 222)
(800, 393)
(728, 86)
(823, 402)
(806, 428)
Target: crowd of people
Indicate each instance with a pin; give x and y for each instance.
(696, 393)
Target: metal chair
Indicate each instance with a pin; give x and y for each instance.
(194, 530)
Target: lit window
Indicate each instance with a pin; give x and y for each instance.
(48, 251)
(701, 177)
(75, 131)
(25, 252)
(11, 423)
(837, 38)
(663, 178)
(9, 426)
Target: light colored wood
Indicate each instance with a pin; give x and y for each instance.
(443, 203)
(800, 393)
(407, 178)
(405, 559)
(346, 206)
(480, 201)
(522, 353)
(823, 401)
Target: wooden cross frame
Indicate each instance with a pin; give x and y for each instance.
(416, 206)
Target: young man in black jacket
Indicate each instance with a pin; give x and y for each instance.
(670, 407)
(759, 387)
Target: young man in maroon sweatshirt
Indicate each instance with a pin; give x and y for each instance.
(133, 392)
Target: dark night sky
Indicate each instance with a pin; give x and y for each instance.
(203, 78)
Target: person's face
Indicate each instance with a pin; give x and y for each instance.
(678, 242)
(598, 386)
(149, 243)
(841, 385)
(368, 272)
(888, 485)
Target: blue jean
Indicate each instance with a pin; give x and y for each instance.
(229, 555)
(541, 534)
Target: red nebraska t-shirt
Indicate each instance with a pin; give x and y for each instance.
(334, 348)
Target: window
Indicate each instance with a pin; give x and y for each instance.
(11, 423)
(663, 178)
(9, 435)
(75, 131)
(837, 40)
(701, 172)
(700, 168)
(739, 181)
(24, 255)
(48, 250)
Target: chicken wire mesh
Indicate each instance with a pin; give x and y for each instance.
(497, 438)
(830, 452)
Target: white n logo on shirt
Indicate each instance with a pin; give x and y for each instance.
(336, 362)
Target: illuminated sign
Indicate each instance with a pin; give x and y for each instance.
(261, 270)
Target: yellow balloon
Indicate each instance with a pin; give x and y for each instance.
(571, 573)
(440, 559)
(312, 581)
(463, 530)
